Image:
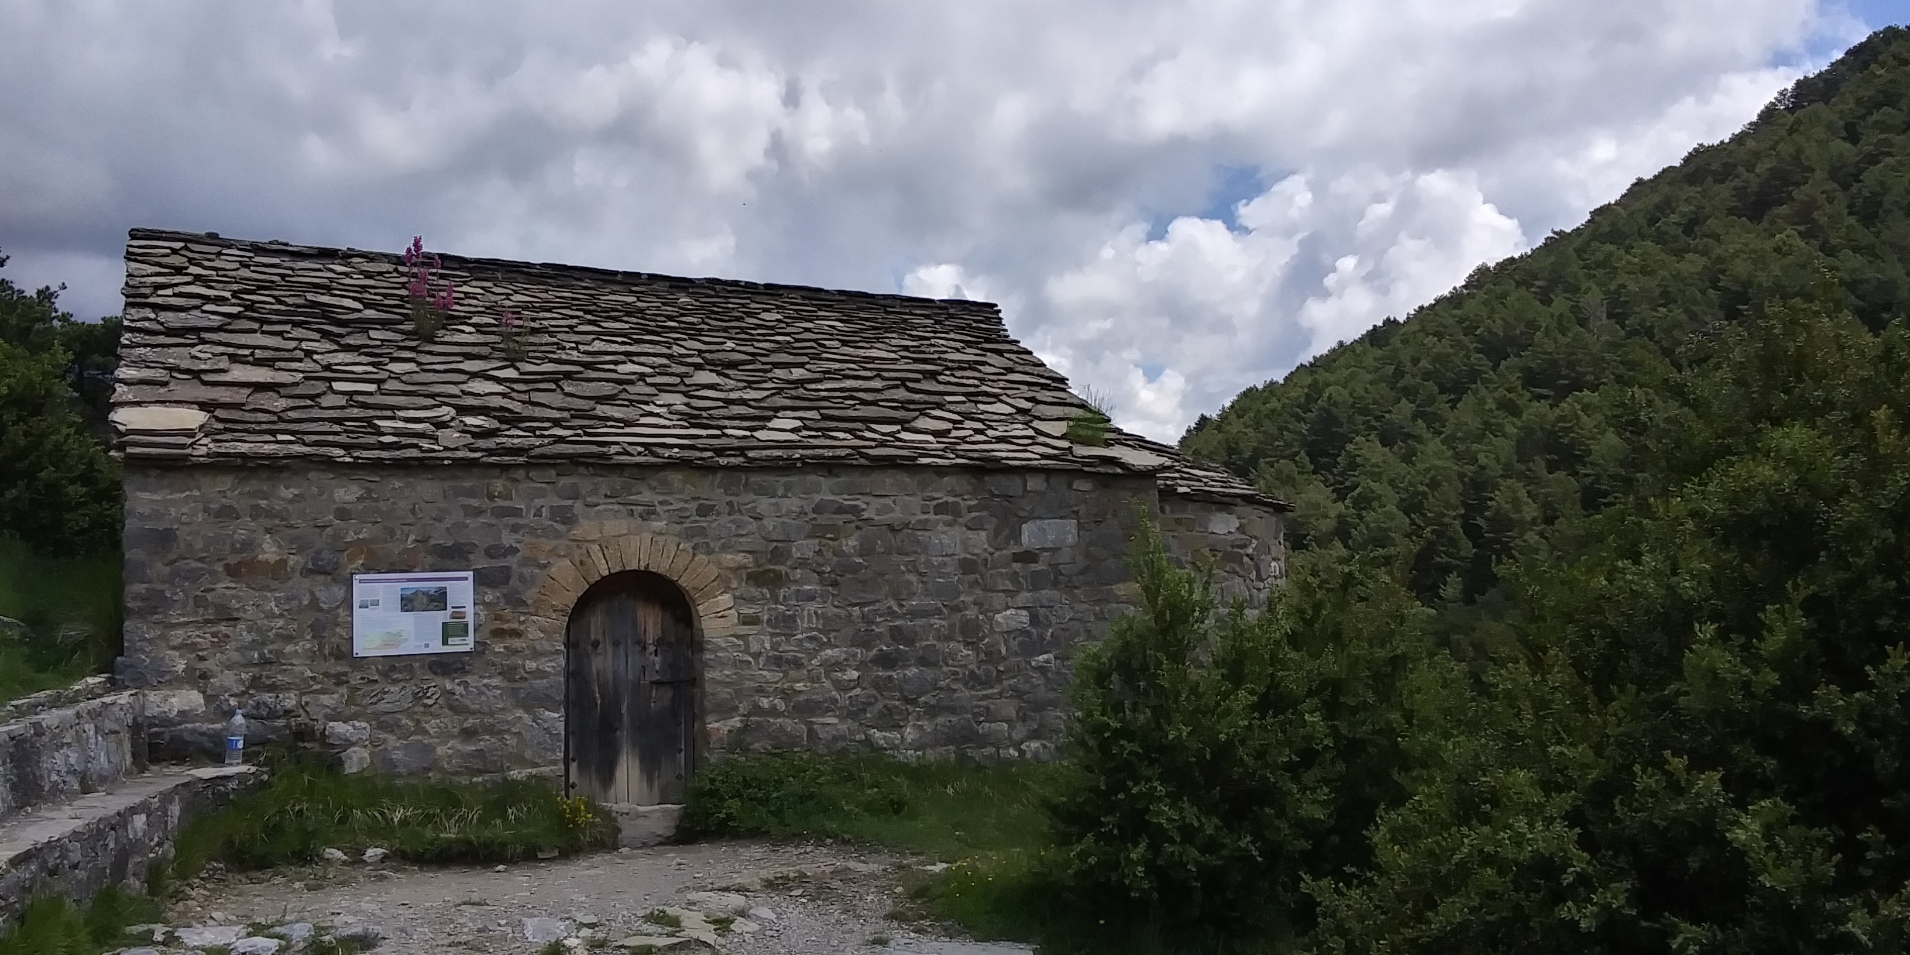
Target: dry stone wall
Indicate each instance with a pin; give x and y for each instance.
(80, 808)
(59, 753)
(921, 611)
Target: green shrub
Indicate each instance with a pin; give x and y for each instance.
(1218, 756)
(59, 487)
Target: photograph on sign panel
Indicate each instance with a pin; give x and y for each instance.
(424, 599)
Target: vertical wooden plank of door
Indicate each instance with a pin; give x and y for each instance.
(610, 711)
(673, 702)
(668, 695)
(577, 709)
(594, 717)
(624, 679)
(638, 748)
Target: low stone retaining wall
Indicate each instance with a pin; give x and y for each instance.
(79, 809)
(48, 755)
(61, 753)
(107, 838)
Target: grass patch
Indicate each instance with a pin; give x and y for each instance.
(1013, 896)
(1089, 428)
(948, 810)
(1090, 425)
(989, 821)
(52, 925)
(71, 609)
(26, 669)
(306, 808)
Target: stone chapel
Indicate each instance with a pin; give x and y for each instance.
(653, 519)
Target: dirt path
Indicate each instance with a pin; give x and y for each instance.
(819, 899)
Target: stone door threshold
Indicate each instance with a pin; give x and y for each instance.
(640, 827)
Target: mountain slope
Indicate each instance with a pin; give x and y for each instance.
(1472, 434)
(1653, 481)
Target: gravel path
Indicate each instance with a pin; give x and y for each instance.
(825, 899)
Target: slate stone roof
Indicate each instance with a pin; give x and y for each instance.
(248, 352)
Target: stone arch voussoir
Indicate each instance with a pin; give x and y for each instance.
(699, 577)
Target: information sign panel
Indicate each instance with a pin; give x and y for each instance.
(399, 614)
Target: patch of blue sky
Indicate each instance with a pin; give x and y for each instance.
(1844, 22)
(1232, 185)
(1153, 370)
(1877, 14)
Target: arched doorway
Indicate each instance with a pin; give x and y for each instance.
(630, 691)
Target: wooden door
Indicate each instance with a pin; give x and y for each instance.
(630, 691)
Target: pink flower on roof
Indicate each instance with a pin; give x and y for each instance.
(512, 331)
(430, 305)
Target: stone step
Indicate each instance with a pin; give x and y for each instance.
(112, 836)
(640, 827)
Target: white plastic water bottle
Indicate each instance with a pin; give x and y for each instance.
(235, 739)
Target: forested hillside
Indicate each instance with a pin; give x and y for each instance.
(1598, 637)
(1470, 434)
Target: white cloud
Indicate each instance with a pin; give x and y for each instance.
(1062, 158)
(944, 280)
(1415, 238)
(1210, 298)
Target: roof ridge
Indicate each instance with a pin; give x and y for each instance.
(142, 233)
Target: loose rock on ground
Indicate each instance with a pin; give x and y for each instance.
(742, 898)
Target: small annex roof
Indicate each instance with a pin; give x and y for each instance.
(251, 352)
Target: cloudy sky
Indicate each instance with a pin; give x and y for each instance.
(1171, 201)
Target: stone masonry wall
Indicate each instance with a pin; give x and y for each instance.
(919, 611)
(1246, 544)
